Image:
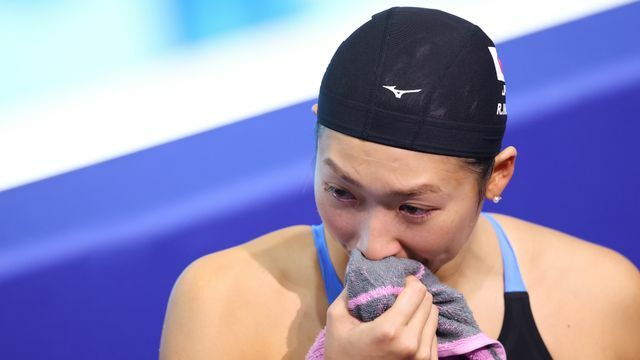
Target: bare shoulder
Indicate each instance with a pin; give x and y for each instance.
(555, 245)
(575, 284)
(223, 303)
(554, 249)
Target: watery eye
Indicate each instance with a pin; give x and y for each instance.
(413, 211)
(338, 193)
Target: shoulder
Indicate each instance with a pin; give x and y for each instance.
(577, 287)
(540, 244)
(550, 249)
(229, 299)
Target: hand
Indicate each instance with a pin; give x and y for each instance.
(407, 330)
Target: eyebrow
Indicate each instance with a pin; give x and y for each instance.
(414, 191)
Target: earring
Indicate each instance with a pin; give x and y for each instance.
(496, 199)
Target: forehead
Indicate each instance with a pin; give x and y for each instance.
(359, 155)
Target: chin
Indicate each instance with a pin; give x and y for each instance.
(435, 264)
(431, 265)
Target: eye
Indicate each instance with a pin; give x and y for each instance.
(340, 194)
(414, 211)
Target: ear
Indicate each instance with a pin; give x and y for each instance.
(315, 109)
(502, 172)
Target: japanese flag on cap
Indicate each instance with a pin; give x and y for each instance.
(496, 63)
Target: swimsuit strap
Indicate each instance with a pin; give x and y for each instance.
(332, 284)
(512, 278)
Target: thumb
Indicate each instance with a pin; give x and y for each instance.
(340, 302)
(339, 309)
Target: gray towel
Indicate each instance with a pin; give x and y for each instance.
(373, 287)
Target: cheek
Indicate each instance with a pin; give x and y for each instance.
(340, 223)
(427, 241)
(450, 234)
(441, 238)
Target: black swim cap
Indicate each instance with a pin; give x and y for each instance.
(419, 79)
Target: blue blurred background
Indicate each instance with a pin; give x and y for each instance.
(136, 136)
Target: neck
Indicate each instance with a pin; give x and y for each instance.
(451, 272)
(478, 258)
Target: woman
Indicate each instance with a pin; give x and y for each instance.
(411, 116)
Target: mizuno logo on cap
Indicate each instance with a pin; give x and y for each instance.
(398, 93)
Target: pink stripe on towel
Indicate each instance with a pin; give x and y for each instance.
(373, 294)
(479, 342)
(420, 273)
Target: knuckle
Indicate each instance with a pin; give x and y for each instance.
(428, 295)
(332, 311)
(421, 289)
(415, 289)
(387, 335)
(407, 348)
(423, 355)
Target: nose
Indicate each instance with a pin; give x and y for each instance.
(377, 238)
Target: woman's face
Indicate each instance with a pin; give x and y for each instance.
(389, 201)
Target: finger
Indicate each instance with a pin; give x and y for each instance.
(315, 109)
(434, 349)
(428, 348)
(405, 305)
(338, 310)
(418, 321)
(339, 305)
